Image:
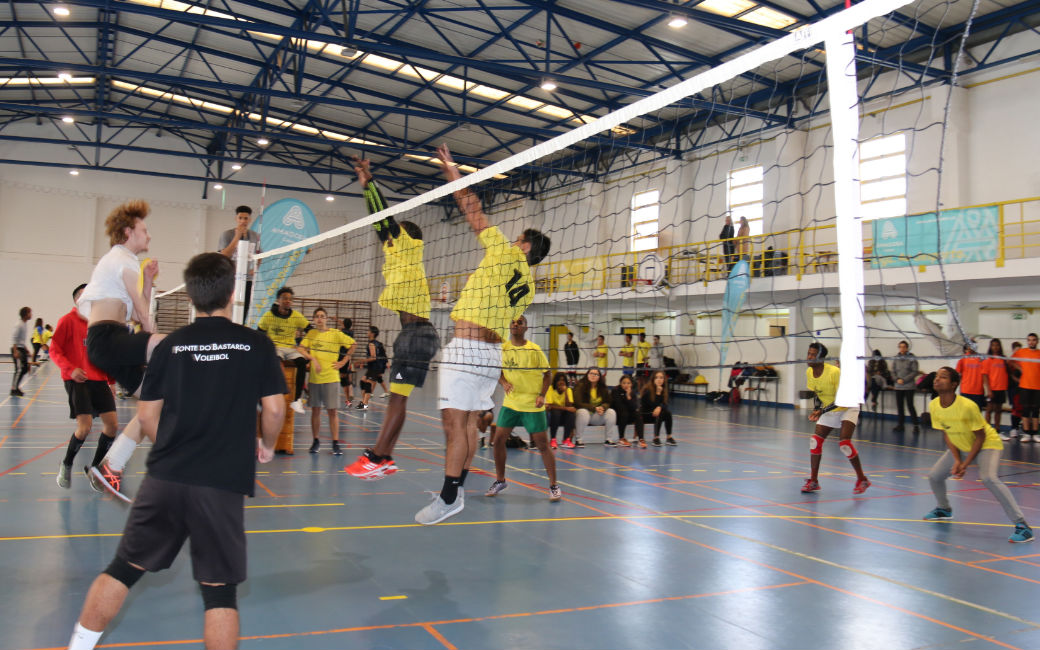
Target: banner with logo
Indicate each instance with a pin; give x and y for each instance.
(964, 235)
(283, 223)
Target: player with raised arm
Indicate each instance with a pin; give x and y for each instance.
(120, 290)
(822, 379)
(496, 294)
(406, 292)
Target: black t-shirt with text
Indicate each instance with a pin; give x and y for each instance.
(210, 376)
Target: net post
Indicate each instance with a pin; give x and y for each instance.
(241, 272)
(844, 110)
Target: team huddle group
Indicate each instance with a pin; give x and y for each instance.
(199, 409)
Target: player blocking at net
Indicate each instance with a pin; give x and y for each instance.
(407, 293)
(822, 379)
(495, 295)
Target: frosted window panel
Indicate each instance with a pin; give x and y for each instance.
(748, 194)
(891, 188)
(884, 209)
(645, 198)
(882, 146)
(745, 176)
(881, 167)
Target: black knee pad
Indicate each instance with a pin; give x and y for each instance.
(122, 571)
(219, 596)
(366, 386)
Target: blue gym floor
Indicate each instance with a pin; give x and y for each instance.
(705, 545)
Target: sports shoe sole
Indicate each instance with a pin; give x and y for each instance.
(455, 509)
(96, 473)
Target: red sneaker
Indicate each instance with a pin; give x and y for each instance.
(568, 443)
(552, 443)
(861, 486)
(811, 486)
(109, 480)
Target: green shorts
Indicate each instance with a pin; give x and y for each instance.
(532, 421)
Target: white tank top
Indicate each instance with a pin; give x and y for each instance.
(107, 280)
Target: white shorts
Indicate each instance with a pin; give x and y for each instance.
(287, 354)
(833, 419)
(468, 374)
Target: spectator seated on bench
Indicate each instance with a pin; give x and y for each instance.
(592, 399)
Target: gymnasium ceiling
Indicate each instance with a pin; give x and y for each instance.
(322, 80)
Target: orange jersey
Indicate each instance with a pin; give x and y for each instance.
(971, 375)
(1030, 369)
(996, 373)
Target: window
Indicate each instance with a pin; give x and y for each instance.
(744, 193)
(645, 208)
(882, 174)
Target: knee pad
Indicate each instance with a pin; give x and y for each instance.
(219, 596)
(815, 445)
(847, 449)
(122, 571)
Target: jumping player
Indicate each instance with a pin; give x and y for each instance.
(407, 293)
(822, 378)
(498, 292)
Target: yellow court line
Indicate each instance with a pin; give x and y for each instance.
(324, 529)
(393, 597)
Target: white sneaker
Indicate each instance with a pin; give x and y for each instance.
(437, 511)
(1026, 438)
(1014, 433)
(297, 406)
(385, 395)
(1004, 436)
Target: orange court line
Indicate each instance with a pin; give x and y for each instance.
(36, 457)
(3, 440)
(428, 625)
(440, 637)
(266, 489)
(33, 399)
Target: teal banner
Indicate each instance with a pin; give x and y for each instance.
(955, 236)
(284, 222)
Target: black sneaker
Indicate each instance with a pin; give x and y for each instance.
(579, 444)
(898, 429)
(917, 429)
(315, 445)
(671, 441)
(656, 442)
(483, 443)
(610, 443)
(336, 451)
(17, 393)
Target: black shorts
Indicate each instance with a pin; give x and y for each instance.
(121, 354)
(92, 397)
(414, 348)
(165, 514)
(1029, 398)
(980, 400)
(998, 397)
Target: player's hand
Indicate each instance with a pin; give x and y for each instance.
(240, 231)
(339, 364)
(78, 375)
(317, 366)
(451, 172)
(958, 471)
(539, 401)
(263, 454)
(361, 168)
(815, 415)
(151, 269)
(656, 411)
(899, 381)
(506, 386)
(600, 410)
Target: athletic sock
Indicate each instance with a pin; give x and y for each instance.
(84, 639)
(450, 491)
(120, 453)
(462, 478)
(103, 445)
(73, 448)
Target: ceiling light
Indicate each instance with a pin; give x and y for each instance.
(677, 21)
(74, 172)
(348, 51)
(236, 167)
(65, 76)
(218, 186)
(330, 198)
(548, 85)
(68, 119)
(61, 10)
(263, 142)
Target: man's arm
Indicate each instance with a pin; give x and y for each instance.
(546, 382)
(467, 201)
(272, 416)
(148, 415)
(140, 300)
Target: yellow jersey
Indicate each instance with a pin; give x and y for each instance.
(405, 276)
(601, 361)
(282, 330)
(500, 290)
(47, 336)
(523, 367)
(559, 399)
(643, 352)
(628, 362)
(826, 385)
(324, 346)
(960, 420)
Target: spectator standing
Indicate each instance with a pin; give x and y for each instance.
(905, 372)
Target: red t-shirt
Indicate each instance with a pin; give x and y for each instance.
(996, 372)
(1030, 378)
(971, 375)
(69, 348)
